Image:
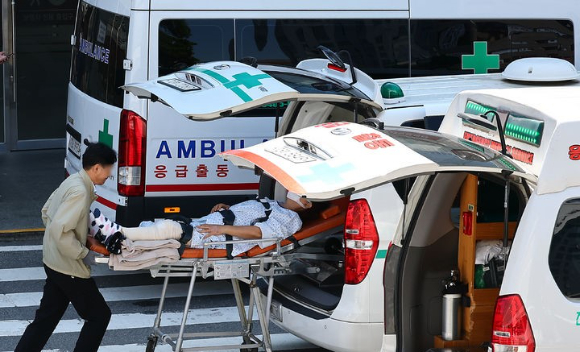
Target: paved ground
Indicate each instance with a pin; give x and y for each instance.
(27, 179)
(133, 298)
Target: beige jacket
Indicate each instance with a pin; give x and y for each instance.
(66, 217)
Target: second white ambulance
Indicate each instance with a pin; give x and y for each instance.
(457, 193)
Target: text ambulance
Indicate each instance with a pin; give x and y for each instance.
(168, 164)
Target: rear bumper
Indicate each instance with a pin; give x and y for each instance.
(330, 333)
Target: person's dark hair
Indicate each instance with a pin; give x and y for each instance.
(98, 153)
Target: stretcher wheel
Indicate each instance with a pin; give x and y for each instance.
(248, 341)
(151, 343)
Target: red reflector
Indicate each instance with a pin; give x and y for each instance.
(511, 327)
(361, 241)
(132, 153)
(336, 68)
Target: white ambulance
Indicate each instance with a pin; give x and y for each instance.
(340, 305)
(168, 164)
(457, 193)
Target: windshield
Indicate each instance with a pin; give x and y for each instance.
(312, 83)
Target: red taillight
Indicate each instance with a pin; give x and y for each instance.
(132, 152)
(336, 68)
(511, 327)
(361, 241)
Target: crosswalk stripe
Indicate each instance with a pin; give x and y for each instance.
(134, 321)
(282, 341)
(20, 248)
(125, 293)
(37, 273)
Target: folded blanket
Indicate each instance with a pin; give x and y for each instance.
(159, 230)
(138, 255)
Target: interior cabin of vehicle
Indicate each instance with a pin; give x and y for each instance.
(454, 213)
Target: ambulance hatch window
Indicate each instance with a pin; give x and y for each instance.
(564, 255)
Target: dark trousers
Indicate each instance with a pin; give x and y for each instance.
(59, 290)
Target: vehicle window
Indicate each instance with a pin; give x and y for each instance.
(564, 255)
(311, 84)
(448, 150)
(437, 45)
(378, 47)
(490, 201)
(98, 53)
(186, 42)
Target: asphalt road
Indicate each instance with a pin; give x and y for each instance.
(133, 298)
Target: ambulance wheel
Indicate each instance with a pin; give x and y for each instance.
(151, 343)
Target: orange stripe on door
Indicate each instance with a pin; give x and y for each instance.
(272, 169)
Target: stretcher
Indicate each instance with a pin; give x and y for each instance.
(265, 263)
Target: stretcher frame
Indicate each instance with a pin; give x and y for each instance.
(247, 270)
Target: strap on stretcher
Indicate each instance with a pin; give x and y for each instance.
(229, 218)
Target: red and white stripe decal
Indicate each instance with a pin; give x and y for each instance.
(203, 187)
(107, 203)
(274, 170)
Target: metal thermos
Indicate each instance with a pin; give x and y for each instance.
(451, 308)
(451, 317)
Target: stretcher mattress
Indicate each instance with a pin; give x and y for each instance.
(329, 218)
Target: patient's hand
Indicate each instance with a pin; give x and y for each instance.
(220, 206)
(210, 230)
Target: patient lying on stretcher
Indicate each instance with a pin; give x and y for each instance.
(253, 219)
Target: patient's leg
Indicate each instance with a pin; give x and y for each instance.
(160, 230)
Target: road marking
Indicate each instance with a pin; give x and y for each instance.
(127, 293)
(134, 321)
(20, 248)
(40, 229)
(37, 273)
(282, 341)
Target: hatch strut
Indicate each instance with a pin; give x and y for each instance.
(500, 131)
(276, 123)
(503, 255)
(405, 201)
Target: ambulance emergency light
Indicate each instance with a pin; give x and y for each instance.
(517, 127)
(524, 129)
(477, 109)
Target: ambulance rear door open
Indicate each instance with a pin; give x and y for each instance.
(332, 160)
(220, 89)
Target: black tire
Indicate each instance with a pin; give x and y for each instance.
(151, 343)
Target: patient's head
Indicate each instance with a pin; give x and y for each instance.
(296, 203)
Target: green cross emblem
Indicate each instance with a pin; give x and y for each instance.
(104, 136)
(480, 61)
(241, 79)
